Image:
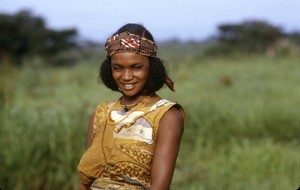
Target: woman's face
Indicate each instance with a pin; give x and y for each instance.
(130, 72)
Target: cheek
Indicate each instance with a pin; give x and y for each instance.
(143, 74)
(115, 75)
(146, 72)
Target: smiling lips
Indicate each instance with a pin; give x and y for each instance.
(128, 86)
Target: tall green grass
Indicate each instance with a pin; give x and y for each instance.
(242, 123)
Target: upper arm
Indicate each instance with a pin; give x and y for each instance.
(90, 131)
(88, 144)
(166, 149)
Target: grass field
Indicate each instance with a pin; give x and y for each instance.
(242, 123)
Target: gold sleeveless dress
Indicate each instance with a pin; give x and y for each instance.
(123, 145)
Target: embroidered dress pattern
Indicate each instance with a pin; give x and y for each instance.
(128, 142)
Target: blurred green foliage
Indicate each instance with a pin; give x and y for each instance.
(254, 37)
(242, 122)
(26, 35)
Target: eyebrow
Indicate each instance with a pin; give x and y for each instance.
(133, 64)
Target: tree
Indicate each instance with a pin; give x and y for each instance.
(248, 36)
(24, 34)
(294, 37)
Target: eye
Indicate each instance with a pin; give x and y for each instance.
(117, 68)
(137, 67)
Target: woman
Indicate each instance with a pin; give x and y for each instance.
(133, 142)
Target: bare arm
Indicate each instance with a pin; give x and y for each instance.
(90, 132)
(88, 144)
(166, 149)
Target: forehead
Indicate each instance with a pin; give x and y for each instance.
(127, 57)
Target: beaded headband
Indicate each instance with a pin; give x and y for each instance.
(128, 42)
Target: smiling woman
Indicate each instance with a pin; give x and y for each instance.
(133, 141)
(130, 72)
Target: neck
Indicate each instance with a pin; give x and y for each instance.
(131, 102)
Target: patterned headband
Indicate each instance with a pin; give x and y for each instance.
(128, 42)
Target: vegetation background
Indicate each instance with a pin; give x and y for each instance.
(242, 103)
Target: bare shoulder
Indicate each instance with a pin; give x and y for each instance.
(174, 113)
(173, 119)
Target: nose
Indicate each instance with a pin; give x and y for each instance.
(127, 75)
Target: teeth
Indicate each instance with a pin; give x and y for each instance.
(128, 86)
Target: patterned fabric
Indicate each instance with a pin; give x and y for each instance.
(123, 143)
(128, 42)
(106, 183)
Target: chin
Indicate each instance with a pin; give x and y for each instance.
(134, 93)
(129, 93)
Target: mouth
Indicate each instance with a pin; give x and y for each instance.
(128, 87)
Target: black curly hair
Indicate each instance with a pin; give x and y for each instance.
(157, 72)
